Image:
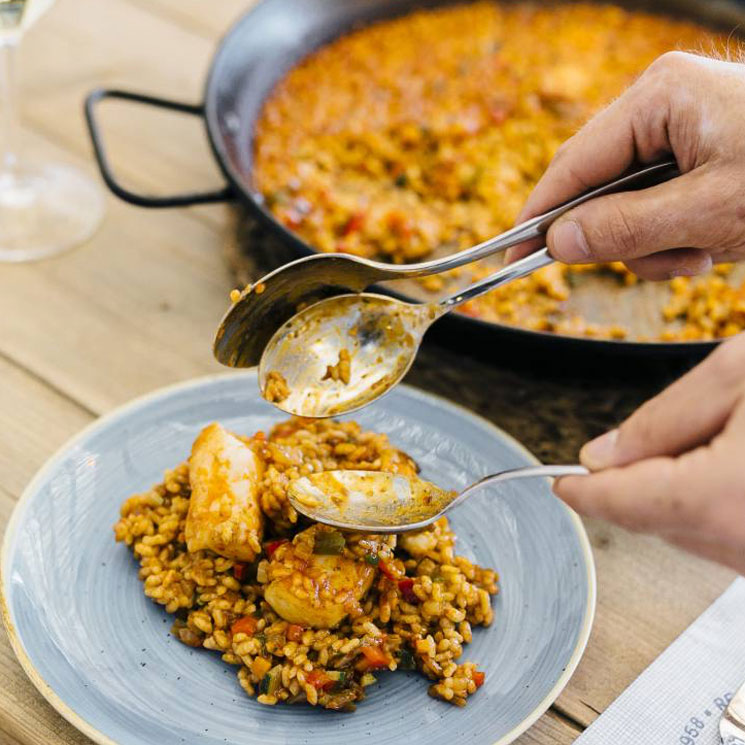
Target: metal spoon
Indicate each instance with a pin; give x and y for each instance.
(732, 723)
(379, 334)
(380, 502)
(252, 320)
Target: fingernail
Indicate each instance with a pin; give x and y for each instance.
(691, 271)
(568, 242)
(682, 271)
(600, 452)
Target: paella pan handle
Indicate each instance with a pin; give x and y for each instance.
(143, 200)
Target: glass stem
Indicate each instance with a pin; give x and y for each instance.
(9, 122)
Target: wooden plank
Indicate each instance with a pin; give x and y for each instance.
(151, 150)
(207, 19)
(7, 503)
(137, 306)
(34, 421)
(550, 729)
(9, 739)
(648, 592)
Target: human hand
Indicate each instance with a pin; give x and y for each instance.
(676, 467)
(683, 104)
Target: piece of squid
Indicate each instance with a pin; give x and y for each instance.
(224, 516)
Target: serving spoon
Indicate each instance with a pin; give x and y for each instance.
(380, 502)
(378, 335)
(252, 320)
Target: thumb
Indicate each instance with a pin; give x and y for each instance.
(632, 225)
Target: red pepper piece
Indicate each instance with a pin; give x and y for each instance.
(375, 657)
(272, 546)
(245, 625)
(406, 585)
(354, 223)
(295, 632)
(319, 680)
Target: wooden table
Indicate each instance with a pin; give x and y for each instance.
(136, 308)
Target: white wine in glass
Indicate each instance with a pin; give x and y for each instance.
(45, 208)
(18, 15)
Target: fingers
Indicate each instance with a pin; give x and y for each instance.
(635, 128)
(646, 496)
(630, 225)
(686, 501)
(677, 262)
(702, 209)
(582, 162)
(603, 149)
(693, 493)
(685, 415)
(694, 501)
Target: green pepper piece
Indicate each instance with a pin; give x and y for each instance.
(270, 682)
(264, 685)
(406, 660)
(329, 543)
(261, 638)
(339, 677)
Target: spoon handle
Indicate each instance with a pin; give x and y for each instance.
(526, 472)
(539, 225)
(516, 270)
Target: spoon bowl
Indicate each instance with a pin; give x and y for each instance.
(262, 308)
(381, 502)
(341, 353)
(373, 501)
(346, 351)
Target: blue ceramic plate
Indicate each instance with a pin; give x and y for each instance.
(101, 654)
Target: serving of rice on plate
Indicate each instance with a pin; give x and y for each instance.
(307, 613)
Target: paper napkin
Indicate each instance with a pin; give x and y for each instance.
(679, 698)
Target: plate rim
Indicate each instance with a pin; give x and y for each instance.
(90, 731)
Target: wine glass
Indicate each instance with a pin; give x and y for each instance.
(45, 208)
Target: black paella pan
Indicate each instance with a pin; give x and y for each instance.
(259, 50)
